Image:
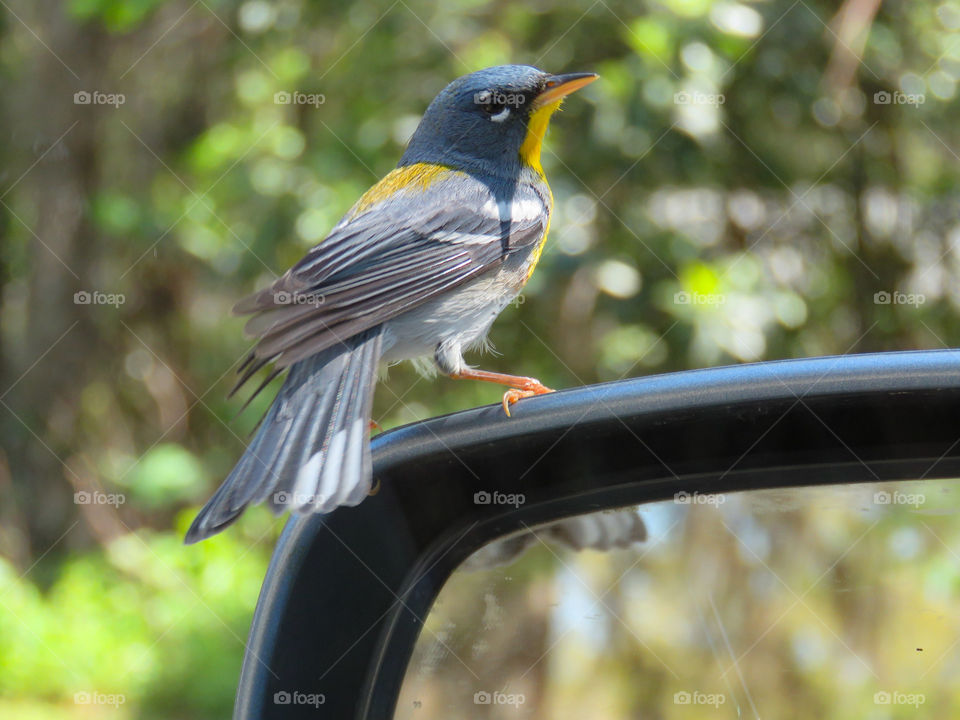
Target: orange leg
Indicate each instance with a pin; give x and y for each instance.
(521, 387)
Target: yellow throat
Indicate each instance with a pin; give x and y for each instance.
(536, 129)
(530, 156)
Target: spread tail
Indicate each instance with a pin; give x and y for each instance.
(312, 450)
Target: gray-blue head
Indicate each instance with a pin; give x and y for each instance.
(491, 121)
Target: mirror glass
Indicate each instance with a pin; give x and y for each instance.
(837, 601)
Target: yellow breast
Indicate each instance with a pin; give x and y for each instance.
(538, 250)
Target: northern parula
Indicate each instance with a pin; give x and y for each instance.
(419, 268)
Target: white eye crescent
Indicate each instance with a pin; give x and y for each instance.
(501, 116)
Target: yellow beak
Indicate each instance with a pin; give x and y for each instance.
(559, 86)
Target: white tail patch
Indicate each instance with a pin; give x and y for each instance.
(330, 485)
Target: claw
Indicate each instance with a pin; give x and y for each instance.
(513, 395)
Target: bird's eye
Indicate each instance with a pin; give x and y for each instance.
(497, 112)
(494, 104)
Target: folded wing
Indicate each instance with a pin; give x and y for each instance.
(379, 263)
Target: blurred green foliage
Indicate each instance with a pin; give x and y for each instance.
(140, 619)
(734, 189)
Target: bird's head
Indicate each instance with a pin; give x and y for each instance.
(493, 120)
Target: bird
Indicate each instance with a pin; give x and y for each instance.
(418, 269)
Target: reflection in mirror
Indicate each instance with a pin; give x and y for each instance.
(596, 531)
(818, 602)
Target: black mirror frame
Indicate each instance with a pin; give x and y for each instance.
(376, 569)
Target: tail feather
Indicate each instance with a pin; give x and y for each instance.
(344, 452)
(312, 450)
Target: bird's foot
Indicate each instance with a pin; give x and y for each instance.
(530, 388)
(520, 387)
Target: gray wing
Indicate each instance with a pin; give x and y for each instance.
(394, 256)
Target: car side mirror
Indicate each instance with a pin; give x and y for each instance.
(347, 595)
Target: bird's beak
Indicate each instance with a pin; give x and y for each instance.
(558, 87)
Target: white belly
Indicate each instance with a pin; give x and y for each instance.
(457, 321)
